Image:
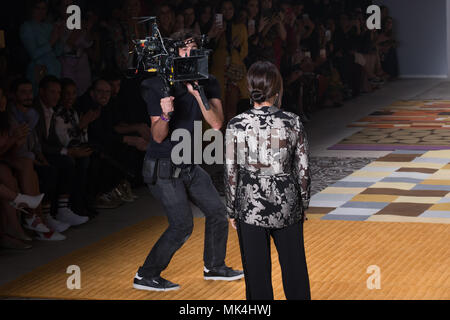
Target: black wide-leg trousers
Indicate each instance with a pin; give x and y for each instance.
(256, 259)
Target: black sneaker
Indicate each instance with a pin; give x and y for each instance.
(223, 273)
(154, 284)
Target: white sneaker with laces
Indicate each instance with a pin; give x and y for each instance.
(68, 216)
(56, 225)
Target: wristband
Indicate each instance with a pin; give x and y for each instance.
(164, 118)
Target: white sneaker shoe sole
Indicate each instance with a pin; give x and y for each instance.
(224, 278)
(145, 288)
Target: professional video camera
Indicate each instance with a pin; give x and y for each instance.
(159, 55)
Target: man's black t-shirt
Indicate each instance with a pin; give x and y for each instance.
(186, 110)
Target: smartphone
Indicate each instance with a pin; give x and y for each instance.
(323, 53)
(308, 54)
(219, 20)
(2, 39)
(328, 35)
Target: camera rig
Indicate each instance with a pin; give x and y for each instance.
(159, 55)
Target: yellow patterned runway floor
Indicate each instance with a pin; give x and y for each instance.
(413, 259)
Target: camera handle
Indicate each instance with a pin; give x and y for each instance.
(202, 95)
(167, 92)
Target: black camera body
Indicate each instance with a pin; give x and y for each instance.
(156, 54)
(159, 55)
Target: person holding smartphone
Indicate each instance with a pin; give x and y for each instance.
(228, 60)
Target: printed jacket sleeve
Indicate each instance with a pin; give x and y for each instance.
(301, 164)
(231, 171)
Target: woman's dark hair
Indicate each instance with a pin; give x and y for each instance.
(263, 81)
(17, 83)
(235, 7)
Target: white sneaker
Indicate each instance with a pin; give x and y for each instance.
(66, 215)
(56, 225)
(35, 224)
(50, 236)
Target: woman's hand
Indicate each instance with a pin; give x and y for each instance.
(233, 223)
(263, 22)
(236, 42)
(216, 31)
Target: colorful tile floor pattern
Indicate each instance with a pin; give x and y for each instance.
(404, 186)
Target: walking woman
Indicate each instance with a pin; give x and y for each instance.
(267, 182)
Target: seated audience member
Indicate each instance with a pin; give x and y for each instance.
(71, 132)
(130, 121)
(12, 235)
(106, 172)
(28, 163)
(56, 154)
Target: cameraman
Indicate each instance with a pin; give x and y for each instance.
(175, 186)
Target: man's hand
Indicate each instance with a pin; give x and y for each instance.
(89, 117)
(191, 89)
(167, 106)
(233, 223)
(79, 152)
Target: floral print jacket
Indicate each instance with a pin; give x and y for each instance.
(267, 176)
